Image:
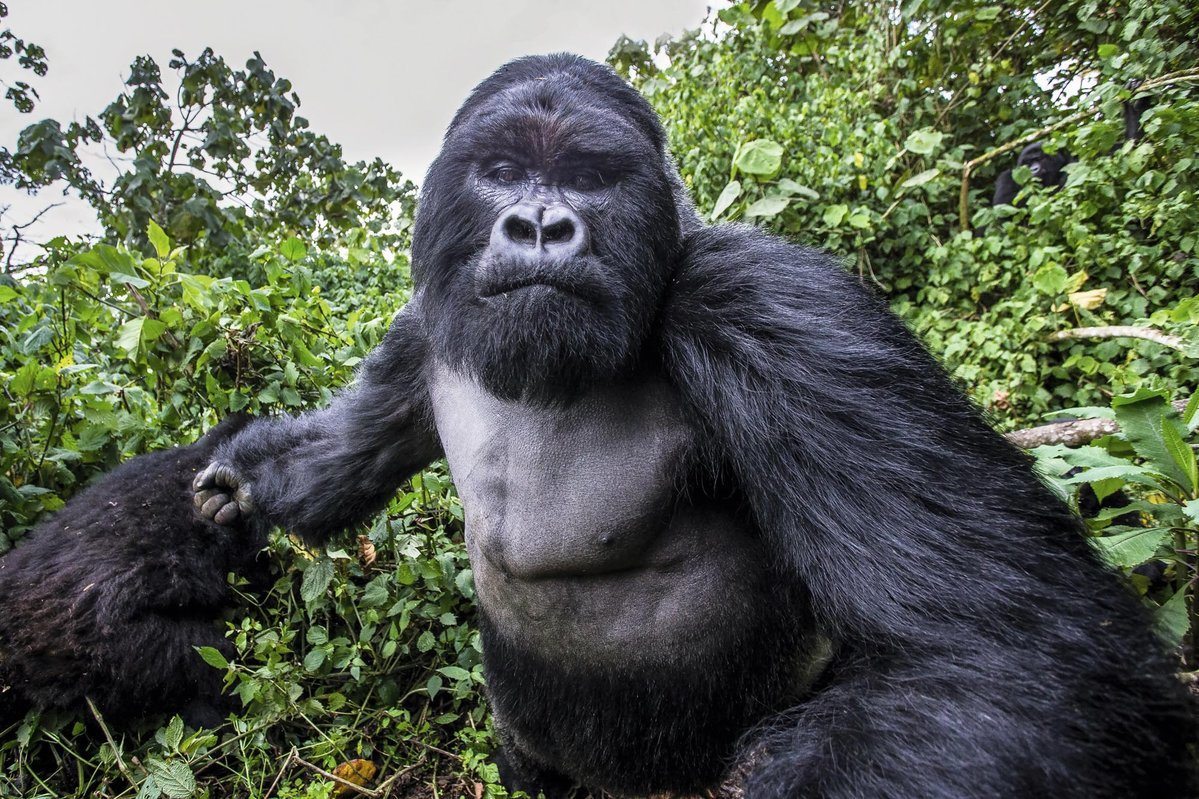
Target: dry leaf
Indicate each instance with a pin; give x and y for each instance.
(359, 772)
(1088, 300)
(366, 552)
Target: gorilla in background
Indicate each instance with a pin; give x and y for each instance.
(719, 501)
(1048, 169)
(109, 597)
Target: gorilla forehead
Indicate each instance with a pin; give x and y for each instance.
(558, 84)
(546, 122)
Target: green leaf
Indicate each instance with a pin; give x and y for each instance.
(920, 179)
(1051, 279)
(159, 239)
(317, 577)
(455, 672)
(767, 207)
(1182, 455)
(730, 193)
(923, 141)
(1132, 548)
(789, 186)
(293, 249)
(1172, 618)
(835, 214)
(174, 778)
(129, 336)
(425, 642)
(761, 157)
(213, 657)
(314, 659)
(1143, 416)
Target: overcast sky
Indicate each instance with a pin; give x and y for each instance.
(381, 78)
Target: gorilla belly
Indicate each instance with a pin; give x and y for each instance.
(582, 538)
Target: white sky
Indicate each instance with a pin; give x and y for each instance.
(381, 78)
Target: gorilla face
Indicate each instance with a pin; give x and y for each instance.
(547, 232)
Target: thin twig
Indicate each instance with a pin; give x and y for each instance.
(116, 752)
(331, 776)
(283, 770)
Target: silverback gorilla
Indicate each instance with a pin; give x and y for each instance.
(110, 596)
(718, 499)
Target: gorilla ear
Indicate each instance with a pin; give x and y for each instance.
(689, 218)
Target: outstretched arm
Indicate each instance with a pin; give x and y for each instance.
(320, 472)
(975, 624)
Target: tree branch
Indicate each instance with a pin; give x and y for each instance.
(1121, 331)
(1071, 432)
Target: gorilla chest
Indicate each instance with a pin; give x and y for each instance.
(576, 525)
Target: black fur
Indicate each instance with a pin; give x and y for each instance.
(930, 619)
(109, 597)
(1048, 169)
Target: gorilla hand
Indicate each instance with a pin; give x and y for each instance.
(221, 494)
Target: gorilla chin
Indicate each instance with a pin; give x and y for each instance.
(542, 331)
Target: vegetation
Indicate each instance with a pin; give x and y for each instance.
(246, 265)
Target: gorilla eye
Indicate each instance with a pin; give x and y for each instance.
(506, 174)
(586, 181)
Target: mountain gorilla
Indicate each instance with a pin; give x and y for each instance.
(1048, 169)
(719, 501)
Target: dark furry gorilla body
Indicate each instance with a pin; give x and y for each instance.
(719, 502)
(110, 596)
(1047, 169)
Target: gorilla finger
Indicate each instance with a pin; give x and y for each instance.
(227, 514)
(203, 496)
(204, 478)
(243, 498)
(213, 504)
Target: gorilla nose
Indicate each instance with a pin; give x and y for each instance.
(529, 229)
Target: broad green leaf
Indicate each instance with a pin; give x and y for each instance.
(920, 179)
(293, 249)
(1050, 279)
(455, 672)
(1143, 417)
(159, 239)
(1191, 509)
(761, 157)
(317, 577)
(1172, 618)
(789, 186)
(174, 778)
(213, 657)
(923, 141)
(835, 214)
(767, 207)
(1132, 548)
(314, 659)
(730, 193)
(129, 336)
(1182, 454)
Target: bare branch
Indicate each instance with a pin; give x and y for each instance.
(1121, 331)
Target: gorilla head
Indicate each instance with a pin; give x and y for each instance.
(1047, 168)
(565, 232)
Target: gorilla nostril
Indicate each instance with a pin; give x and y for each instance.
(520, 230)
(559, 232)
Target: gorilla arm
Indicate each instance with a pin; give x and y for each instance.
(320, 472)
(927, 545)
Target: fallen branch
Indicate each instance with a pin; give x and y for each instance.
(1071, 432)
(1121, 331)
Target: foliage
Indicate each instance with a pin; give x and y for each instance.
(30, 56)
(1146, 481)
(849, 127)
(222, 163)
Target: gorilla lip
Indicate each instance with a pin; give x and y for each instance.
(496, 286)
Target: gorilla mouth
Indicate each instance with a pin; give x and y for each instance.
(498, 286)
